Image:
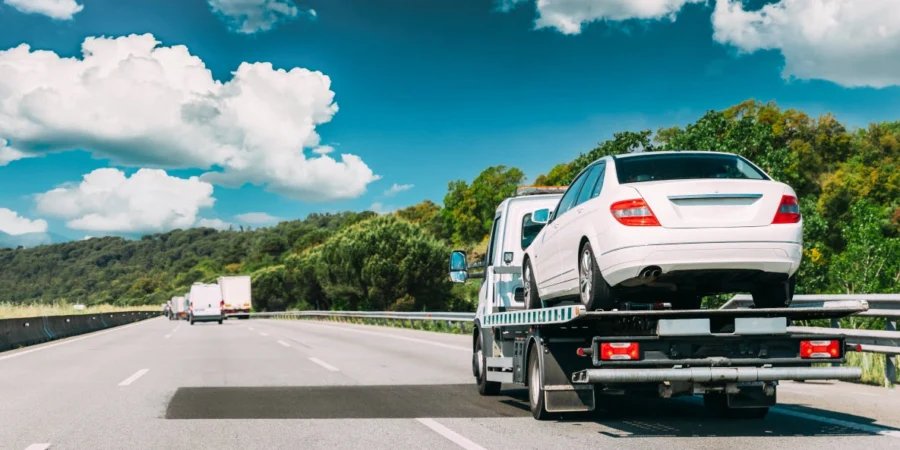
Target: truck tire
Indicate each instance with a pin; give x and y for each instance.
(593, 291)
(777, 295)
(220, 321)
(717, 404)
(479, 366)
(532, 299)
(536, 386)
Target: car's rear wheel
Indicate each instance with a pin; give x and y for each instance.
(532, 299)
(594, 292)
(777, 295)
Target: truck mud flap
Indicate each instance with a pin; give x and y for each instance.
(558, 360)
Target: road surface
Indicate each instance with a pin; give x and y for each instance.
(264, 384)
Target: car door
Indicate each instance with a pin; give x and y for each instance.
(550, 272)
(571, 230)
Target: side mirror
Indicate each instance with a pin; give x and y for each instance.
(541, 216)
(458, 268)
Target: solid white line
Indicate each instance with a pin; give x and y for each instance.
(284, 343)
(89, 335)
(38, 447)
(262, 334)
(134, 377)
(450, 434)
(390, 335)
(324, 364)
(843, 423)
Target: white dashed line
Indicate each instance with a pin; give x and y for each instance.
(263, 334)
(324, 364)
(284, 343)
(134, 377)
(450, 434)
(38, 447)
(389, 335)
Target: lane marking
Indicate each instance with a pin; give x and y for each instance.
(250, 328)
(89, 335)
(168, 335)
(263, 334)
(284, 343)
(390, 335)
(324, 364)
(843, 423)
(450, 434)
(38, 447)
(134, 377)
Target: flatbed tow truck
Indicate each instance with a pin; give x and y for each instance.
(569, 357)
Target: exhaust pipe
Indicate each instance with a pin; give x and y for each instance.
(650, 272)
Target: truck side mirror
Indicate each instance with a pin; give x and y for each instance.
(541, 216)
(459, 272)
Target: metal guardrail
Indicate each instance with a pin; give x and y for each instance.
(885, 342)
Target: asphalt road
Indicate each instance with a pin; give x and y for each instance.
(261, 384)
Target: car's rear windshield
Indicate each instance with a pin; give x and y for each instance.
(684, 166)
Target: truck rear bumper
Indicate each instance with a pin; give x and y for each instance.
(715, 374)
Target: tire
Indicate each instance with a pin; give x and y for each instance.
(532, 299)
(220, 321)
(593, 291)
(479, 369)
(535, 389)
(717, 404)
(777, 295)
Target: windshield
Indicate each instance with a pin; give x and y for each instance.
(684, 166)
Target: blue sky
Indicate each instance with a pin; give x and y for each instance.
(429, 92)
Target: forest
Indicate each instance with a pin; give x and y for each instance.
(848, 181)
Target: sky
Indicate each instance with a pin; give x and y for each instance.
(125, 117)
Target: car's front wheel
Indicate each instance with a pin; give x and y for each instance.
(594, 292)
(777, 295)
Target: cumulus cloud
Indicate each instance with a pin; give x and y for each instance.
(381, 208)
(12, 223)
(9, 154)
(568, 16)
(397, 188)
(144, 105)
(109, 201)
(850, 42)
(257, 218)
(218, 224)
(251, 16)
(55, 9)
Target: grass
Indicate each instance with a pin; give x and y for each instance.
(872, 367)
(14, 311)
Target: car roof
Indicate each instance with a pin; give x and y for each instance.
(671, 152)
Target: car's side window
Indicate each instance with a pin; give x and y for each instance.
(598, 185)
(568, 200)
(492, 243)
(589, 183)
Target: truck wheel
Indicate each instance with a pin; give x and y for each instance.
(774, 295)
(479, 366)
(532, 299)
(220, 321)
(718, 405)
(535, 386)
(594, 292)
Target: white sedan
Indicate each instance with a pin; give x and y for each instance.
(666, 227)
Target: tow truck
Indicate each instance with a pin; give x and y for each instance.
(569, 357)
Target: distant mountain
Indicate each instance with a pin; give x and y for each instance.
(29, 240)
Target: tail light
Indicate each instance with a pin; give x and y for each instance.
(820, 349)
(620, 351)
(221, 303)
(635, 213)
(788, 210)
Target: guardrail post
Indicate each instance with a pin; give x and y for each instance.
(890, 369)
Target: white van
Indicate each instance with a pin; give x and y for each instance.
(205, 303)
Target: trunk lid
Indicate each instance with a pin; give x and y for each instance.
(712, 203)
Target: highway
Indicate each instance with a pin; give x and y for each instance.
(264, 384)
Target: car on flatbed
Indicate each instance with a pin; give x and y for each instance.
(669, 226)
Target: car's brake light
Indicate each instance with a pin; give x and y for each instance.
(788, 210)
(613, 351)
(635, 213)
(820, 349)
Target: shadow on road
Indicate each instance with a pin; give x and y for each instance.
(617, 416)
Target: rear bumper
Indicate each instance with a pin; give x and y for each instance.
(715, 374)
(208, 318)
(626, 263)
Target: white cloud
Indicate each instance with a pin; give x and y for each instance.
(55, 9)
(218, 224)
(251, 16)
(397, 188)
(12, 223)
(108, 201)
(568, 16)
(9, 154)
(143, 105)
(257, 218)
(323, 149)
(380, 208)
(850, 42)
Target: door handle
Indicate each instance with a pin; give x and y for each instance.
(579, 210)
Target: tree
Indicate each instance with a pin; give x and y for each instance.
(469, 209)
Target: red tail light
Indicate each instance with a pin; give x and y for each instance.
(634, 213)
(820, 349)
(788, 210)
(613, 351)
(221, 303)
